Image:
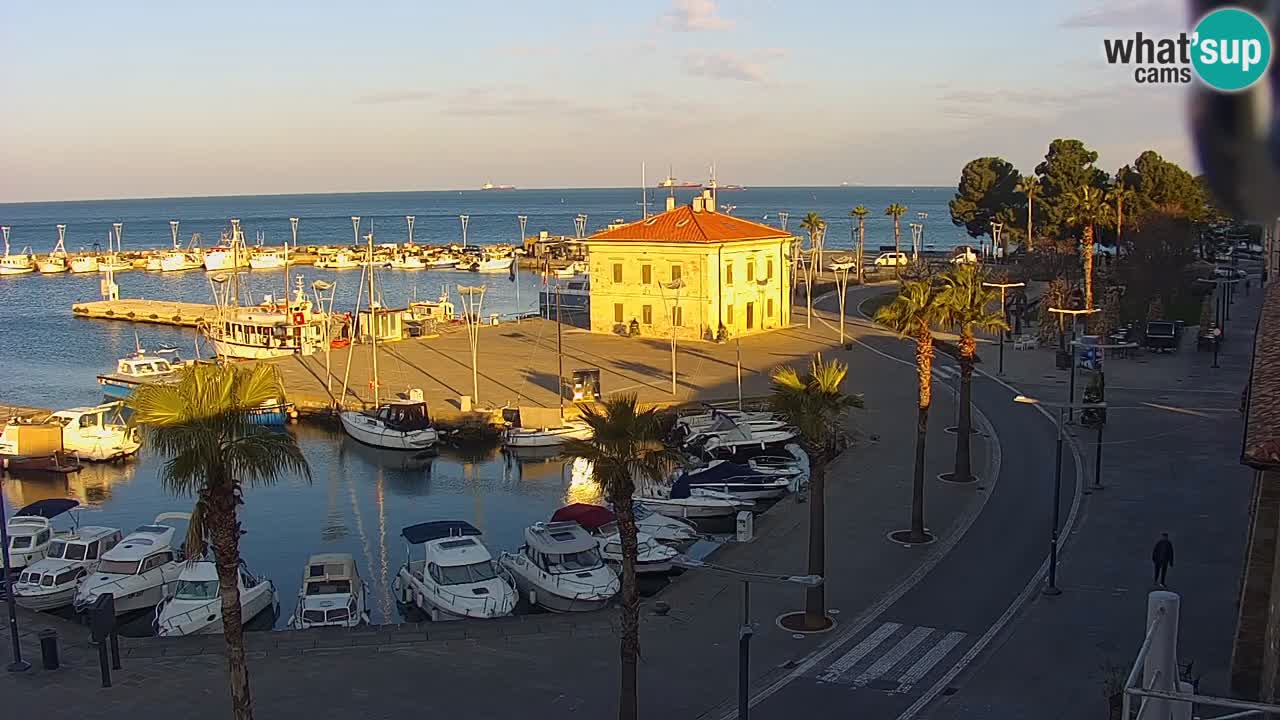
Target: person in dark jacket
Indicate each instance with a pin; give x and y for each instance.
(1162, 558)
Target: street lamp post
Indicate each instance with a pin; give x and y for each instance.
(841, 267)
(18, 664)
(997, 229)
(409, 221)
(1003, 313)
(1051, 588)
(1102, 380)
(464, 219)
(319, 287)
(922, 217)
(1222, 311)
(782, 218)
(674, 285)
(917, 239)
(745, 630)
(1071, 388)
(472, 302)
(515, 264)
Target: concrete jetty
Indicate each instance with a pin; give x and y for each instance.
(159, 312)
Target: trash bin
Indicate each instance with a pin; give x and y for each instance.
(48, 648)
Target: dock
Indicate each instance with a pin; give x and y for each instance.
(159, 312)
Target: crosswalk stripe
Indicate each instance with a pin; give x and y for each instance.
(926, 663)
(894, 656)
(851, 658)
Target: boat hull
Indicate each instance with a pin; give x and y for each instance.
(11, 270)
(240, 351)
(677, 509)
(207, 619)
(52, 267)
(266, 263)
(553, 437)
(365, 429)
(45, 601)
(84, 265)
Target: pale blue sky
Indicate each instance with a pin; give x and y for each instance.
(145, 99)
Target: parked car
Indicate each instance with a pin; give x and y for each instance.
(892, 259)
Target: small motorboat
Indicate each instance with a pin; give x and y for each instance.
(407, 262)
(51, 583)
(682, 501)
(738, 480)
(195, 608)
(140, 369)
(652, 557)
(263, 259)
(456, 577)
(559, 568)
(31, 532)
(139, 571)
(600, 520)
(332, 594)
(98, 433)
(401, 424)
(546, 436)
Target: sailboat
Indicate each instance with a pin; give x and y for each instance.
(402, 423)
(19, 264)
(56, 261)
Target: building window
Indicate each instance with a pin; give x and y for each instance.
(728, 315)
(676, 272)
(751, 269)
(617, 272)
(728, 273)
(646, 274)
(677, 316)
(768, 269)
(751, 315)
(769, 307)
(617, 312)
(646, 312)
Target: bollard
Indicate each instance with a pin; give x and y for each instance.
(48, 648)
(115, 650)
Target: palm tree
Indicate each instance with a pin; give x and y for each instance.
(913, 314)
(817, 229)
(1087, 208)
(813, 403)
(896, 212)
(860, 213)
(201, 424)
(1119, 194)
(1029, 185)
(625, 446)
(965, 305)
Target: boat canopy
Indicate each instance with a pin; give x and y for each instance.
(559, 538)
(435, 530)
(47, 509)
(405, 416)
(588, 516)
(330, 567)
(725, 471)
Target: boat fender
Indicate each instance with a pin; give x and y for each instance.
(533, 597)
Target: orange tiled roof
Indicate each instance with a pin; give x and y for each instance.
(683, 225)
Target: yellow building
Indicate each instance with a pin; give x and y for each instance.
(690, 267)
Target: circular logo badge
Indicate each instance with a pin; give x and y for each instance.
(1232, 49)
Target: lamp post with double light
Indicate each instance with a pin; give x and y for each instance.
(841, 268)
(1003, 313)
(1051, 587)
(472, 303)
(997, 228)
(675, 286)
(1102, 383)
(1074, 313)
(745, 630)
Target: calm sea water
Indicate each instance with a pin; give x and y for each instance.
(359, 498)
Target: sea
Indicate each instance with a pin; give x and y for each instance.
(357, 498)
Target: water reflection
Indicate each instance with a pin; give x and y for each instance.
(91, 485)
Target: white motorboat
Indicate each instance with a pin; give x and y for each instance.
(139, 571)
(195, 608)
(140, 369)
(406, 261)
(573, 269)
(83, 263)
(559, 568)
(230, 253)
(738, 441)
(599, 520)
(332, 594)
(546, 436)
(456, 577)
(652, 557)
(98, 433)
(741, 481)
(682, 501)
(736, 429)
(51, 583)
(31, 532)
(485, 263)
(56, 261)
(341, 260)
(400, 424)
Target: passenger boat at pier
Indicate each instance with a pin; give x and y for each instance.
(273, 329)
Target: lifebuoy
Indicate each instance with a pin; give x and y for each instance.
(299, 318)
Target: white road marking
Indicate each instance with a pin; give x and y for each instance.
(894, 656)
(926, 663)
(859, 651)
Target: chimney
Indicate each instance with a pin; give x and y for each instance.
(708, 202)
(698, 205)
(671, 202)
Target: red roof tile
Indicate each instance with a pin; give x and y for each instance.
(686, 226)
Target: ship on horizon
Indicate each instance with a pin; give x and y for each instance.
(491, 186)
(671, 183)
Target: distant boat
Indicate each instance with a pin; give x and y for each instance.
(491, 186)
(731, 187)
(672, 183)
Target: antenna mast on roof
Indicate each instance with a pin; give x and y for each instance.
(644, 194)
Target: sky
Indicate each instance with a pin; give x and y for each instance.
(134, 98)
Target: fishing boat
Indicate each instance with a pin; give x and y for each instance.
(195, 607)
(139, 571)
(272, 329)
(230, 252)
(332, 594)
(652, 557)
(98, 433)
(267, 258)
(487, 262)
(573, 269)
(51, 582)
(31, 532)
(405, 261)
(559, 568)
(83, 263)
(444, 260)
(139, 369)
(341, 260)
(456, 577)
(402, 423)
(178, 260)
(10, 264)
(438, 310)
(56, 261)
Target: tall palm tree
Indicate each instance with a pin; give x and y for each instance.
(201, 425)
(625, 446)
(1087, 208)
(1029, 185)
(896, 212)
(1118, 195)
(965, 305)
(913, 314)
(860, 213)
(813, 403)
(817, 229)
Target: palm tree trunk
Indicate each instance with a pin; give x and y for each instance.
(628, 694)
(862, 278)
(964, 428)
(225, 536)
(1119, 223)
(815, 598)
(1030, 240)
(924, 366)
(1088, 267)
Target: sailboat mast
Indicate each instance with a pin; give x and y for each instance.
(293, 227)
(373, 319)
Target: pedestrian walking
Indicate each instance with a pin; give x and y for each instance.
(1162, 558)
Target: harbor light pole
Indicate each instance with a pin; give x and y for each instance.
(515, 264)
(355, 229)
(746, 629)
(173, 230)
(842, 266)
(580, 225)
(997, 228)
(409, 219)
(917, 239)
(5, 229)
(783, 216)
(1003, 314)
(472, 302)
(1051, 588)
(674, 285)
(922, 216)
(18, 664)
(464, 219)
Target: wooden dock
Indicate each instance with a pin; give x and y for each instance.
(159, 312)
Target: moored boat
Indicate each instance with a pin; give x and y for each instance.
(56, 261)
(19, 264)
(332, 594)
(51, 582)
(559, 568)
(139, 570)
(456, 577)
(402, 423)
(31, 531)
(98, 433)
(195, 607)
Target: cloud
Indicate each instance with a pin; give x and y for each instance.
(1129, 15)
(694, 16)
(388, 97)
(991, 105)
(726, 65)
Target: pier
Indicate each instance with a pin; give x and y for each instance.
(158, 312)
